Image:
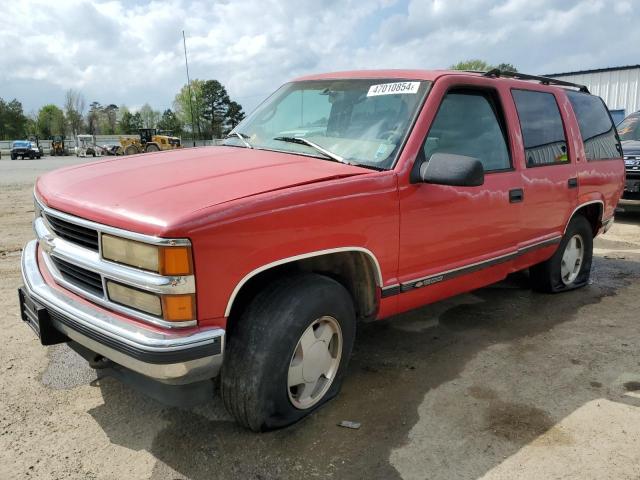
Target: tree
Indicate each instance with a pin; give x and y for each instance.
(506, 67)
(93, 117)
(110, 114)
(149, 116)
(170, 122)
(215, 100)
(182, 106)
(74, 105)
(13, 122)
(478, 65)
(50, 121)
(234, 116)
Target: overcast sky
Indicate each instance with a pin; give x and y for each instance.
(131, 51)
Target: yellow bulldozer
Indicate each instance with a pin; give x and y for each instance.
(150, 141)
(57, 145)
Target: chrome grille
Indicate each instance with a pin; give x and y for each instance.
(85, 279)
(77, 234)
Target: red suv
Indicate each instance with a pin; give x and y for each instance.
(344, 197)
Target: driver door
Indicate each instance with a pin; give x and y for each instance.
(453, 238)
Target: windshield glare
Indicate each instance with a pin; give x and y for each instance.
(362, 121)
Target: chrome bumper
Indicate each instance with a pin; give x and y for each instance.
(170, 357)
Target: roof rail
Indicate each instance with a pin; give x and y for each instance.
(543, 80)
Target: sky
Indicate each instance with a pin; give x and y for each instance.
(131, 52)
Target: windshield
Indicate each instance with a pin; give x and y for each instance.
(362, 122)
(629, 128)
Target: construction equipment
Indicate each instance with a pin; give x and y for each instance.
(87, 146)
(57, 146)
(150, 141)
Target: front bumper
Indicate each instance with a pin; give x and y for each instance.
(168, 356)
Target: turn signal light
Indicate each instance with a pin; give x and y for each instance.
(179, 308)
(175, 261)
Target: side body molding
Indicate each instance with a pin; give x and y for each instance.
(318, 253)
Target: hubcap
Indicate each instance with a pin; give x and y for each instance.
(314, 362)
(572, 260)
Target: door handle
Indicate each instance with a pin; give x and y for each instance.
(572, 183)
(516, 195)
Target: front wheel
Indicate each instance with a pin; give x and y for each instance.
(287, 354)
(570, 266)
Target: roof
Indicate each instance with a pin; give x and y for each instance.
(368, 74)
(595, 70)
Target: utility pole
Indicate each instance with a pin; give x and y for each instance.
(186, 64)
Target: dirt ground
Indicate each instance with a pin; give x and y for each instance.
(501, 383)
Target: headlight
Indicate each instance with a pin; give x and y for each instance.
(172, 308)
(134, 298)
(163, 260)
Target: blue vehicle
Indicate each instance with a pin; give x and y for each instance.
(25, 149)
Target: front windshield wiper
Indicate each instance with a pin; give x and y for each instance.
(242, 138)
(309, 143)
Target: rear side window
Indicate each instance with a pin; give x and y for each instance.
(542, 129)
(467, 124)
(596, 128)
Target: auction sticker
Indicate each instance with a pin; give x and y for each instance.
(393, 88)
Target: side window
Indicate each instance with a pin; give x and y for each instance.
(596, 127)
(542, 129)
(467, 124)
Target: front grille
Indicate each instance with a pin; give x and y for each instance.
(86, 237)
(85, 279)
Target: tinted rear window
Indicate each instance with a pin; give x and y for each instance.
(542, 128)
(596, 128)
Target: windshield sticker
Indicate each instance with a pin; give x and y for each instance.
(393, 88)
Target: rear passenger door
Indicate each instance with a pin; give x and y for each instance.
(549, 176)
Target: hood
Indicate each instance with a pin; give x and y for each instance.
(631, 147)
(151, 193)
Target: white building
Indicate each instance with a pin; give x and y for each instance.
(619, 87)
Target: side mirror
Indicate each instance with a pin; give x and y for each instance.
(452, 169)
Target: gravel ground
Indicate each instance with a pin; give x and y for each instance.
(500, 383)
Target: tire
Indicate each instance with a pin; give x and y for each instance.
(130, 150)
(151, 147)
(32, 156)
(552, 276)
(14, 157)
(263, 345)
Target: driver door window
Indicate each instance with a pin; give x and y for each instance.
(467, 124)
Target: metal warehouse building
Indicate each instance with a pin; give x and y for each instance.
(619, 87)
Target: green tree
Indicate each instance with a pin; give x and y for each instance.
(13, 122)
(50, 121)
(506, 67)
(110, 114)
(234, 116)
(170, 122)
(149, 116)
(93, 118)
(136, 122)
(182, 106)
(478, 65)
(215, 100)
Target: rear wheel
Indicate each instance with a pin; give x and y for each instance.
(570, 266)
(152, 147)
(287, 355)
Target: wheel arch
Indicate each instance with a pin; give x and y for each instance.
(592, 210)
(356, 268)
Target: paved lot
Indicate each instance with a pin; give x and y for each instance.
(500, 383)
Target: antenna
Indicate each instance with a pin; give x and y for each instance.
(186, 64)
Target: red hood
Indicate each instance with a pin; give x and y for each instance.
(152, 192)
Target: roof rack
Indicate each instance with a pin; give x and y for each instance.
(496, 72)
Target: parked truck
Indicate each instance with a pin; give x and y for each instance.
(344, 197)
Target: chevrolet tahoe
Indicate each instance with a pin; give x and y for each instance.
(344, 197)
